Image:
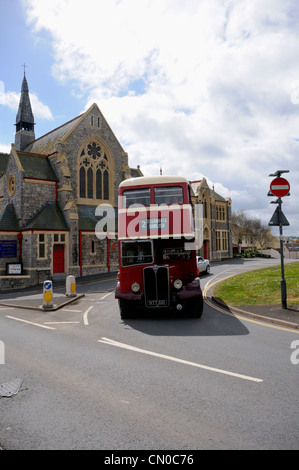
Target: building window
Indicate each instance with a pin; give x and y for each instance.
(224, 241)
(59, 238)
(11, 185)
(41, 246)
(93, 247)
(220, 213)
(94, 173)
(205, 209)
(218, 241)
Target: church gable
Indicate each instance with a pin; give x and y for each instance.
(89, 160)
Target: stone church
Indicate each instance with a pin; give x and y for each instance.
(49, 190)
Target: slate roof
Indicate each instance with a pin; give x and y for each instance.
(50, 217)
(88, 219)
(36, 166)
(47, 144)
(197, 185)
(217, 196)
(3, 163)
(8, 218)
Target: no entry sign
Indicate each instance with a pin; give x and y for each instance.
(280, 187)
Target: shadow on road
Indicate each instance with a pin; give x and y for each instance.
(212, 323)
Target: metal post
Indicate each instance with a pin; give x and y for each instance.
(282, 282)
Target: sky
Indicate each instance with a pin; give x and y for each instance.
(200, 88)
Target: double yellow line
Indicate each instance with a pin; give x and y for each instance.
(235, 315)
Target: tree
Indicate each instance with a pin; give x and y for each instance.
(253, 228)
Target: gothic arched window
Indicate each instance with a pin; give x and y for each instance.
(94, 172)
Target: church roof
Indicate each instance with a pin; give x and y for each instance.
(50, 217)
(3, 163)
(200, 186)
(36, 166)
(8, 218)
(47, 144)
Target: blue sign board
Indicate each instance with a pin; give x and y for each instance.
(8, 248)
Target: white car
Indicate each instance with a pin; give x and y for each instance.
(203, 265)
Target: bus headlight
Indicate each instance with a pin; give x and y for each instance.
(178, 283)
(135, 287)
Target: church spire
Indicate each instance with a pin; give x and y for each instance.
(24, 120)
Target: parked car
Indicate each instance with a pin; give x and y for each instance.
(203, 265)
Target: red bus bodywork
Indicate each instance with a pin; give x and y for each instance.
(157, 267)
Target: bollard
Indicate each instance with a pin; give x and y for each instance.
(48, 295)
(70, 286)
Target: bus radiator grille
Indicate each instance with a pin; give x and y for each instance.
(156, 286)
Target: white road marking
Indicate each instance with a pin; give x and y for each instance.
(69, 310)
(31, 323)
(58, 322)
(111, 342)
(85, 318)
(106, 295)
(6, 308)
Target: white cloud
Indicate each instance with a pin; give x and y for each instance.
(12, 100)
(4, 148)
(216, 80)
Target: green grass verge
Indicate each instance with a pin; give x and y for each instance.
(260, 287)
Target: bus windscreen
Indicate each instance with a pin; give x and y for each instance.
(136, 252)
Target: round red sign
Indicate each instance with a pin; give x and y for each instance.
(280, 187)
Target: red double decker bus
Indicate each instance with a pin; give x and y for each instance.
(157, 259)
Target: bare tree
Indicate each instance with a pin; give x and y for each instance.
(245, 226)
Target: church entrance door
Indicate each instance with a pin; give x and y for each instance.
(58, 259)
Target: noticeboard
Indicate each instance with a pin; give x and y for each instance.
(8, 248)
(14, 269)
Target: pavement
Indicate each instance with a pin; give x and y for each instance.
(32, 297)
(36, 302)
(288, 317)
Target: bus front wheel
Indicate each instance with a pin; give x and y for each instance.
(196, 307)
(126, 309)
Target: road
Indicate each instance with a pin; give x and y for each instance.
(93, 381)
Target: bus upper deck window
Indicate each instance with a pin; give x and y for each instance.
(137, 196)
(169, 195)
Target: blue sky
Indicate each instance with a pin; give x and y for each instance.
(201, 88)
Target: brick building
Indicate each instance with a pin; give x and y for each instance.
(49, 190)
